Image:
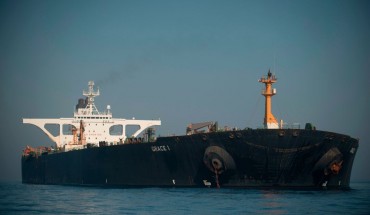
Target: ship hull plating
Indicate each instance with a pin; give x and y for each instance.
(284, 158)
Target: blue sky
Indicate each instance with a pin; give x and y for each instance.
(183, 62)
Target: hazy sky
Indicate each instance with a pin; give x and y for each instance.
(182, 62)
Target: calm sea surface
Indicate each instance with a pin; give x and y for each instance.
(17, 198)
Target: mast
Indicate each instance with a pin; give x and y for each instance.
(91, 108)
(270, 121)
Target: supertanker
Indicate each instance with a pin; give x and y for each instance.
(92, 149)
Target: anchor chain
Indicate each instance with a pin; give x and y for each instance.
(217, 182)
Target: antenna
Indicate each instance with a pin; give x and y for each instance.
(91, 108)
(274, 62)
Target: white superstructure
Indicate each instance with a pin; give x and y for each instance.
(88, 125)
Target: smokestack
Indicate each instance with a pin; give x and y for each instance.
(81, 104)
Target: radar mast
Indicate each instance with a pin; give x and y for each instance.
(90, 107)
(269, 121)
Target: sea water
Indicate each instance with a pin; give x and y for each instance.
(18, 198)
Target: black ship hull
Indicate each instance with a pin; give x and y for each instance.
(285, 158)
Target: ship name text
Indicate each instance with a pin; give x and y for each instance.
(163, 148)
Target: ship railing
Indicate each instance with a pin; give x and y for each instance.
(286, 126)
(266, 78)
(37, 151)
(83, 112)
(131, 140)
(291, 126)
